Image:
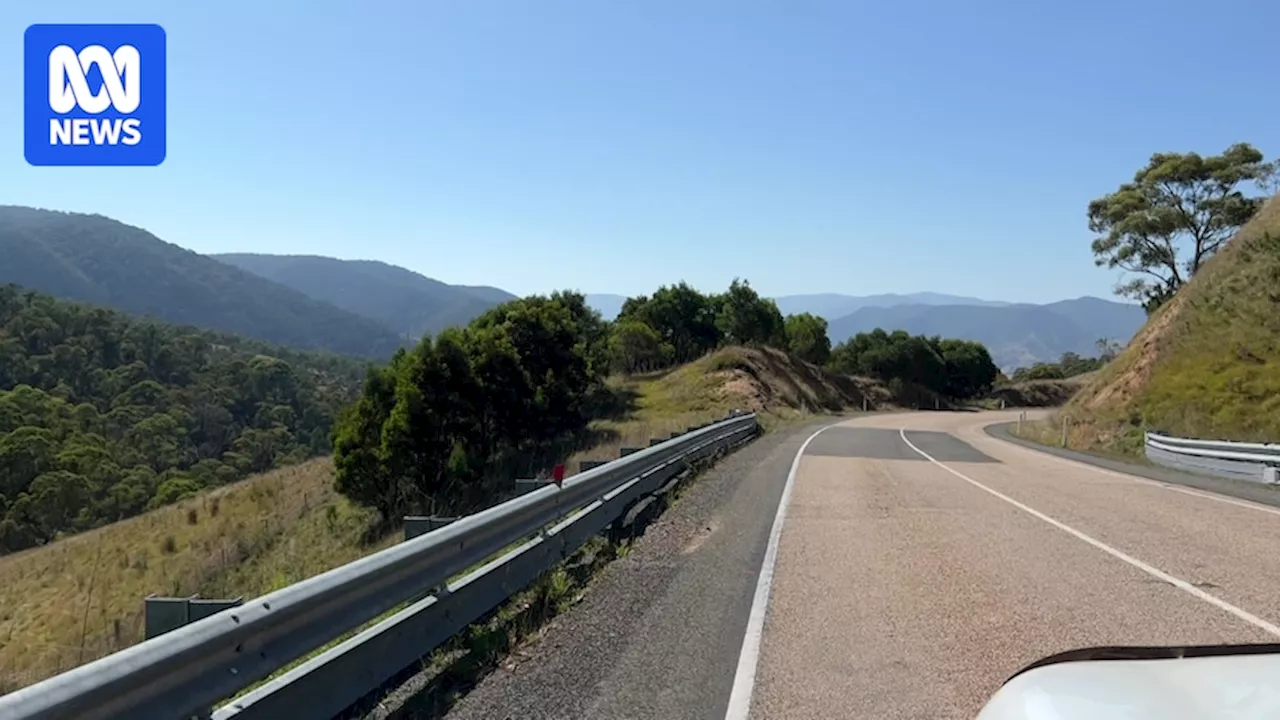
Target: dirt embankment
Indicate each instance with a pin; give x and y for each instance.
(1040, 393)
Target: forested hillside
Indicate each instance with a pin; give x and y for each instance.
(91, 258)
(103, 415)
(409, 303)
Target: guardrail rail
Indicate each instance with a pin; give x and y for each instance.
(188, 671)
(1254, 462)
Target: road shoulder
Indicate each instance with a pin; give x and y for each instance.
(658, 633)
(1221, 486)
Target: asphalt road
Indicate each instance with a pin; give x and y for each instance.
(919, 563)
(659, 633)
(924, 561)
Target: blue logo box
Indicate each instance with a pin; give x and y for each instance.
(94, 95)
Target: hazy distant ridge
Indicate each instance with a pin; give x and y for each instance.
(1017, 334)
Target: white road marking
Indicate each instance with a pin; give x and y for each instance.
(1146, 481)
(744, 680)
(1148, 569)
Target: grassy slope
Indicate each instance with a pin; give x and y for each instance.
(1206, 365)
(81, 598)
(247, 538)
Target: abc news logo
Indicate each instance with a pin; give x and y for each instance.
(69, 89)
(94, 95)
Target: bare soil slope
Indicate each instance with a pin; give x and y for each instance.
(1040, 393)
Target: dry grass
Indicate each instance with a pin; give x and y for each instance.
(82, 597)
(780, 388)
(1206, 365)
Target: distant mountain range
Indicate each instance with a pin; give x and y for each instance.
(1017, 334)
(833, 305)
(826, 305)
(408, 303)
(369, 308)
(94, 259)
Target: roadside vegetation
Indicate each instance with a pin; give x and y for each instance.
(1204, 253)
(1049, 384)
(442, 428)
(1176, 214)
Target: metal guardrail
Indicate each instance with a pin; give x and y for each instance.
(1254, 462)
(185, 672)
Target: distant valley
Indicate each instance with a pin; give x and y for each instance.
(367, 308)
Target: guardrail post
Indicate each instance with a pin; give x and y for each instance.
(1065, 422)
(864, 403)
(585, 465)
(625, 451)
(164, 614)
(656, 441)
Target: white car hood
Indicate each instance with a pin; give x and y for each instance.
(1239, 687)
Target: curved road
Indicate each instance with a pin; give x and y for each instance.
(918, 563)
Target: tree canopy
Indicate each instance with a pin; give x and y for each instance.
(1069, 365)
(806, 336)
(1176, 213)
(956, 368)
(445, 427)
(684, 319)
(103, 415)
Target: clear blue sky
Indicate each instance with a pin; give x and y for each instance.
(612, 146)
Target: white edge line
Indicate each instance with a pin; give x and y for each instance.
(1144, 567)
(1142, 480)
(744, 679)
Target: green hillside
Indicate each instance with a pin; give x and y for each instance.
(409, 303)
(1207, 364)
(94, 259)
(103, 415)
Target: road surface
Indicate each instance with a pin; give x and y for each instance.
(918, 563)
